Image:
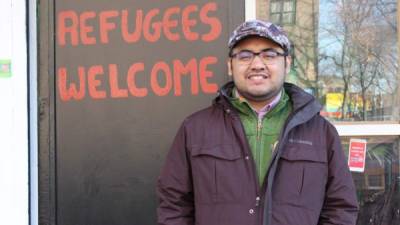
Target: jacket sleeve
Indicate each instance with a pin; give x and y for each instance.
(174, 187)
(340, 205)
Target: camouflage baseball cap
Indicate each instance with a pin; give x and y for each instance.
(262, 29)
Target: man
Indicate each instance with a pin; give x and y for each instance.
(261, 154)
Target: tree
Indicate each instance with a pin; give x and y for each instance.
(364, 54)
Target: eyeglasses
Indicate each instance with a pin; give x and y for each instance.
(268, 56)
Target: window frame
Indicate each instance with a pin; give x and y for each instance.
(282, 12)
(351, 129)
(250, 10)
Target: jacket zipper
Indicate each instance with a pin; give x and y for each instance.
(258, 171)
(258, 201)
(258, 147)
(264, 187)
(259, 195)
(277, 145)
(253, 168)
(259, 127)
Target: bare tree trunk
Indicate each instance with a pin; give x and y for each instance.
(345, 90)
(315, 47)
(344, 74)
(364, 104)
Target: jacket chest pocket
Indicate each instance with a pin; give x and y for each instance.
(301, 176)
(218, 174)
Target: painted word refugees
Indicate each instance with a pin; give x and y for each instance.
(77, 29)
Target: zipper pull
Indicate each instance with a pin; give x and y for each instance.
(274, 146)
(257, 201)
(259, 125)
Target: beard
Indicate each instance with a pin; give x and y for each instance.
(261, 94)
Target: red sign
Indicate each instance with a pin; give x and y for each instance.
(357, 152)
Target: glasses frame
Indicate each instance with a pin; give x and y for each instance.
(254, 54)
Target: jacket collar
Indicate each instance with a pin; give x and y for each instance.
(298, 97)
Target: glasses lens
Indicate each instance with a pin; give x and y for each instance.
(270, 57)
(269, 54)
(245, 56)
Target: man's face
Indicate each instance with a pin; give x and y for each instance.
(256, 81)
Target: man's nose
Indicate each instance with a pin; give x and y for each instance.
(257, 63)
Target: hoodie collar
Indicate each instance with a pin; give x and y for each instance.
(298, 97)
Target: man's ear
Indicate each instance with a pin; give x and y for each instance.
(288, 64)
(229, 65)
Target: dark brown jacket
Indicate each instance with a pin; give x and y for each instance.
(209, 175)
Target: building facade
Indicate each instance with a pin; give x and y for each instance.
(59, 162)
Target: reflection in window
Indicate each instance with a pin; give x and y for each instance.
(283, 11)
(346, 53)
(357, 59)
(378, 187)
(375, 181)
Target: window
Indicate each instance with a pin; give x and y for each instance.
(346, 55)
(358, 60)
(283, 11)
(378, 186)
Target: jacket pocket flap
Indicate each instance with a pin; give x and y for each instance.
(303, 153)
(227, 152)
